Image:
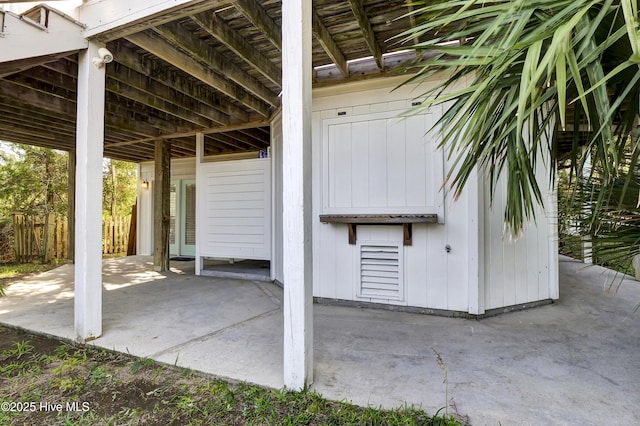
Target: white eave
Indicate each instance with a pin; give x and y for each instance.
(54, 33)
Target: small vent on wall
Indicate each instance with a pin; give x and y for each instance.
(381, 266)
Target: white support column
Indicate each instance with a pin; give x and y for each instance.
(88, 211)
(200, 186)
(475, 188)
(296, 193)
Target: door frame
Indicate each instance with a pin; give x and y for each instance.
(178, 248)
(185, 249)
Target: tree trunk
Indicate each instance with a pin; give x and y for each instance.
(113, 189)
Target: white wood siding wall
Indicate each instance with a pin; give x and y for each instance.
(234, 209)
(523, 269)
(433, 278)
(377, 162)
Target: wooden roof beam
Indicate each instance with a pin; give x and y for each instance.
(15, 107)
(329, 45)
(219, 129)
(12, 67)
(129, 58)
(254, 12)
(225, 139)
(367, 31)
(123, 118)
(247, 140)
(38, 99)
(145, 98)
(176, 35)
(167, 52)
(216, 27)
(164, 93)
(257, 134)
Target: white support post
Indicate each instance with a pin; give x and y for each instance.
(296, 193)
(200, 225)
(88, 211)
(475, 188)
(552, 218)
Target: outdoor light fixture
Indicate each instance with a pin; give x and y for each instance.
(145, 184)
(104, 57)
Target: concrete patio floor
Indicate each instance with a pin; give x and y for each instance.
(572, 362)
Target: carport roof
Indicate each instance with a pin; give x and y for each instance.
(211, 67)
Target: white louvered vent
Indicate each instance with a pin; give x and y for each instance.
(381, 266)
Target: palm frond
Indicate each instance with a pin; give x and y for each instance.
(517, 73)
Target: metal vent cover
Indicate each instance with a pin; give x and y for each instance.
(381, 271)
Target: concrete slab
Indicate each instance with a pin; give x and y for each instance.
(573, 362)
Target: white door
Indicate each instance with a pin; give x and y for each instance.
(188, 217)
(173, 218)
(182, 218)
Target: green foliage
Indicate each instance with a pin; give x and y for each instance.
(122, 191)
(33, 180)
(607, 215)
(139, 363)
(513, 70)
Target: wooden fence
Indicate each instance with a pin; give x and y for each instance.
(45, 238)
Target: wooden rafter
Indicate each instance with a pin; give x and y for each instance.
(261, 20)
(165, 51)
(367, 31)
(147, 68)
(185, 40)
(19, 93)
(201, 65)
(197, 111)
(12, 67)
(147, 99)
(216, 27)
(329, 45)
(213, 130)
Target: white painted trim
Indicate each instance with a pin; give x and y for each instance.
(88, 214)
(552, 223)
(102, 15)
(475, 237)
(138, 207)
(199, 194)
(274, 207)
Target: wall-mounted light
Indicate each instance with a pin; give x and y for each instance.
(145, 184)
(104, 57)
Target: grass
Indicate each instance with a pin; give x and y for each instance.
(49, 382)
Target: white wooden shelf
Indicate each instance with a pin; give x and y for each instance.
(406, 220)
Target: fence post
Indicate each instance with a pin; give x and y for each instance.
(17, 237)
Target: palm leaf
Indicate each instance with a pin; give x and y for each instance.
(526, 65)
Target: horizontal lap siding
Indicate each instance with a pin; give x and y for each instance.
(236, 211)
